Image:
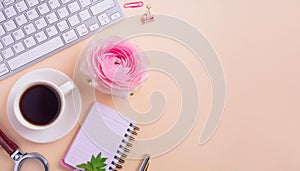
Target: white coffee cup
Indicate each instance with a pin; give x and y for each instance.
(61, 91)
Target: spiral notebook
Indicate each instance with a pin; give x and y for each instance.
(104, 130)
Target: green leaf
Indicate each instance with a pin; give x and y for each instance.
(89, 166)
(83, 166)
(102, 160)
(88, 169)
(100, 165)
(93, 160)
(99, 156)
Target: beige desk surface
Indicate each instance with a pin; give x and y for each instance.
(258, 44)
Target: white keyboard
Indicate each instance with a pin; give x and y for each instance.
(32, 30)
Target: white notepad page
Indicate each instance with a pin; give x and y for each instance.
(102, 131)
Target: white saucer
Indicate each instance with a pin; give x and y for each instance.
(61, 127)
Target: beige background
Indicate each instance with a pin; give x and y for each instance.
(258, 44)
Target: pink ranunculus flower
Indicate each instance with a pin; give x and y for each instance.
(116, 66)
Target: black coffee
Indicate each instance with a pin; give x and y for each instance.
(40, 104)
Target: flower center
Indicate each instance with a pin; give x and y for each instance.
(117, 61)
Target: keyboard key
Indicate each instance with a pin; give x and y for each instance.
(29, 42)
(85, 3)
(7, 53)
(102, 6)
(62, 26)
(32, 14)
(82, 30)
(51, 31)
(8, 2)
(63, 12)
(103, 18)
(1, 46)
(10, 12)
(94, 27)
(73, 20)
(18, 47)
(3, 69)
(84, 15)
(21, 6)
(115, 16)
(2, 17)
(54, 4)
(35, 53)
(40, 36)
(2, 31)
(69, 36)
(52, 18)
(21, 19)
(10, 25)
(73, 7)
(40, 23)
(65, 1)
(32, 3)
(29, 29)
(104, 21)
(7, 40)
(19, 34)
(43, 9)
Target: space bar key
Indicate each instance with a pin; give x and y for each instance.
(35, 53)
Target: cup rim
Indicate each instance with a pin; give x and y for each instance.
(18, 113)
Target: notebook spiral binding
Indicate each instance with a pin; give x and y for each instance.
(126, 143)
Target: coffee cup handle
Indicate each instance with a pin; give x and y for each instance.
(67, 87)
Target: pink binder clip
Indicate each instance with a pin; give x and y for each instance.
(147, 17)
(134, 4)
